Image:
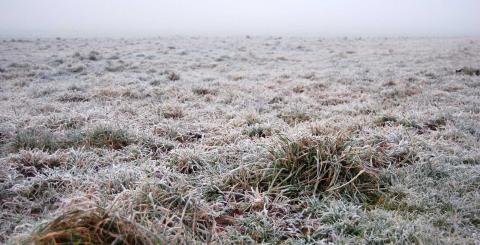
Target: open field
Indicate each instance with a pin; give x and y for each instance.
(240, 140)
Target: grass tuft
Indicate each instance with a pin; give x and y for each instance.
(294, 117)
(385, 120)
(436, 123)
(29, 163)
(318, 165)
(311, 166)
(181, 214)
(93, 226)
(172, 76)
(203, 91)
(173, 112)
(257, 131)
(34, 138)
(105, 136)
(187, 162)
(99, 137)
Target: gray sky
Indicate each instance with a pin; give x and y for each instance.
(77, 18)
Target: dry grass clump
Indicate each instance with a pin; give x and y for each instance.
(105, 136)
(29, 163)
(107, 92)
(332, 101)
(178, 133)
(318, 165)
(276, 100)
(33, 138)
(312, 165)
(168, 205)
(156, 146)
(252, 118)
(99, 137)
(294, 117)
(173, 112)
(133, 94)
(203, 91)
(258, 131)
(91, 226)
(388, 120)
(298, 89)
(385, 120)
(41, 192)
(436, 123)
(171, 75)
(186, 161)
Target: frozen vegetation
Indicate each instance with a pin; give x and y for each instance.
(240, 140)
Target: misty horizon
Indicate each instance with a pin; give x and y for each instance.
(51, 18)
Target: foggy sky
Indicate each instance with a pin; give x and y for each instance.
(77, 18)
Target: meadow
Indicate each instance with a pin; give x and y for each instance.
(241, 140)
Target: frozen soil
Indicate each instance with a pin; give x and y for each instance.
(240, 140)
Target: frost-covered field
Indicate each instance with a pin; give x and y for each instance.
(240, 140)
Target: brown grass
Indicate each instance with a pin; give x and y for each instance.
(92, 226)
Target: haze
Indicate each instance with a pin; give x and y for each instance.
(33, 18)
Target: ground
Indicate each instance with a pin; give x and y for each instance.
(240, 140)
